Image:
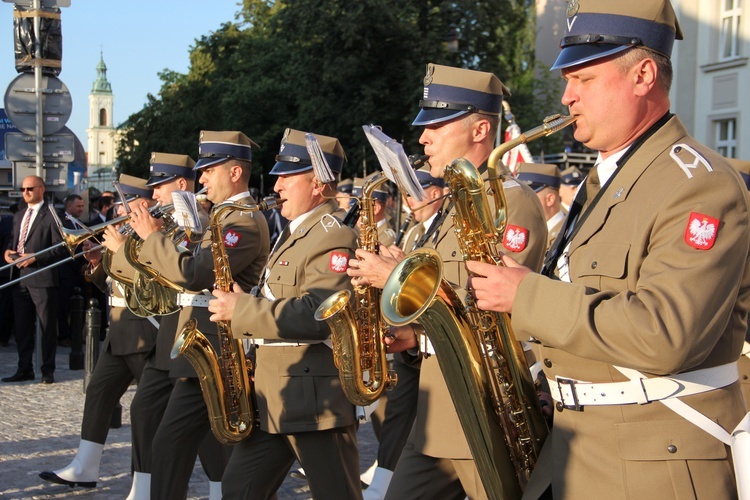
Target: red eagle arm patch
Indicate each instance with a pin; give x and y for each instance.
(701, 231)
(516, 238)
(338, 262)
(231, 238)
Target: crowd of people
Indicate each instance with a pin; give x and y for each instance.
(627, 288)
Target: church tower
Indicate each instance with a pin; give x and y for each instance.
(101, 131)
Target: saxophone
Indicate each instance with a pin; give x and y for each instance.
(225, 377)
(483, 365)
(357, 337)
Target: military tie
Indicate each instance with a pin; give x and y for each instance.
(24, 230)
(592, 186)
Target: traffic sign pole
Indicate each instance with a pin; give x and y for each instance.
(38, 89)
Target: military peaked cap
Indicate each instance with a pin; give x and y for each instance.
(600, 28)
(293, 157)
(217, 147)
(165, 167)
(453, 92)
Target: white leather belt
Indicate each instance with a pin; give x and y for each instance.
(574, 394)
(117, 301)
(193, 299)
(282, 343)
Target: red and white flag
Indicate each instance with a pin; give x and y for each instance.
(520, 154)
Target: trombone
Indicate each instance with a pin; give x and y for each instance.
(71, 238)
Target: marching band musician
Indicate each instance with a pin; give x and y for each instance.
(460, 115)
(641, 309)
(743, 167)
(167, 173)
(570, 179)
(304, 413)
(544, 179)
(386, 234)
(224, 166)
(121, 357)
(398, 406)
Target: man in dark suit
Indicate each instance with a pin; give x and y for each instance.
(34, 297)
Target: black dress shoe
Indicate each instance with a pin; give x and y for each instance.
(54, 478)
(48, 378)
(19, 377)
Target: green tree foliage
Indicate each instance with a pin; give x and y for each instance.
(330, 66)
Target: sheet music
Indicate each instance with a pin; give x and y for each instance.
(320, 166)
(186, 211)
(394, 162)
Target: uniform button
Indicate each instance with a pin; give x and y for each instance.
(453, 253)
(594, 264)
(744, 377)
(559, 406)
(672, 448)
(278, 278)
(548, 362)
(678, 149)
(307, 370)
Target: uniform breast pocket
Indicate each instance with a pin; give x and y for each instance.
(283, 280)
(601, 265)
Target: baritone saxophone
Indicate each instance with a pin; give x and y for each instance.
(224, 376)
(357, 330)
(483, 365)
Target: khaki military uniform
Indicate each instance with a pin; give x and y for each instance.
(154, 388)
(386, 234)
(185, 422)
(296, 383)
(643, 297)
(435, 412)
(121, 359)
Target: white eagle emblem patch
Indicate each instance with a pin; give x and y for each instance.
(516, 238)
(701, 231)
(338, 262)
(231, 238)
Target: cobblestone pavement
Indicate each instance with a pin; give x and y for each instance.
(40, 430)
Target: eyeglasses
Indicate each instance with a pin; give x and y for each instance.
(29, 189)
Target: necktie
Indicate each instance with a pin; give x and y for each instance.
(282, 238)
(592, 186)
(24, 230)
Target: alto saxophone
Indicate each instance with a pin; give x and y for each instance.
(484, 366)
(357, 337)
(225, 377)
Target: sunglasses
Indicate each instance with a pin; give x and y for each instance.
(28, 189)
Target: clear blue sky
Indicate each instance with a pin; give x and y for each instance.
(138, 39)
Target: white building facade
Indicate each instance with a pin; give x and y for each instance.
(711, 68)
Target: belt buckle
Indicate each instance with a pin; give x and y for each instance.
(572, 384)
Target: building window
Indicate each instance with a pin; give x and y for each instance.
(729, 40)
(103, 116)
(726, 137)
